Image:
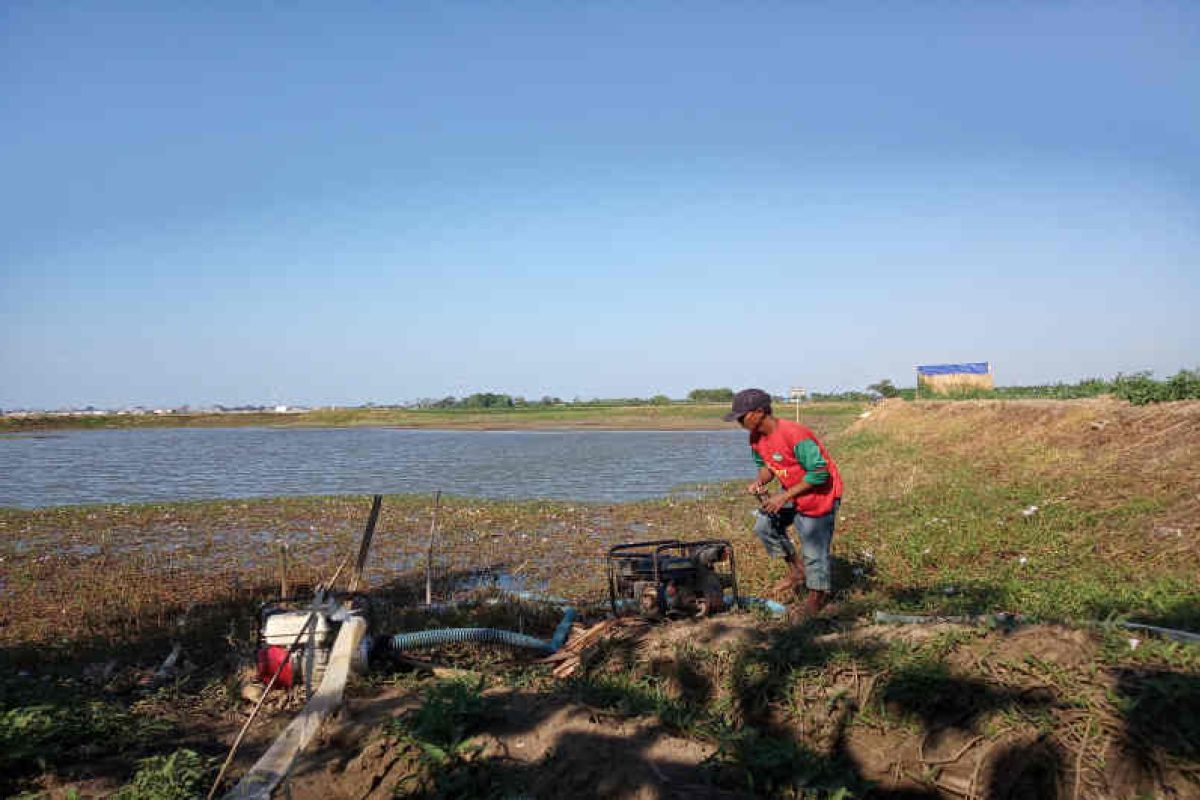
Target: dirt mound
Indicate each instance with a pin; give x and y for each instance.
(574, 748)
(714, 633)
(1050, 644)
(549, 746)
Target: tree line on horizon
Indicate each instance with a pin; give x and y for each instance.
(488, 400)
(1138, 388)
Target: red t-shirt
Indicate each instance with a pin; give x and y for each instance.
(778, 452)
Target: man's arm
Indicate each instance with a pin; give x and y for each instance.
(816, 469)
(763, 477)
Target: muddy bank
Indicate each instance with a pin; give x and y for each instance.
(736, 706)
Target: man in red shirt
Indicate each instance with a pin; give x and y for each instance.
(811, 492)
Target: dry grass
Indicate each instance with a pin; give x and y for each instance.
(1097, 454)
(947, 384)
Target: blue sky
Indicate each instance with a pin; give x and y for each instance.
(350, 203)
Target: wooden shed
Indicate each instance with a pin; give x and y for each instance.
(948, 378)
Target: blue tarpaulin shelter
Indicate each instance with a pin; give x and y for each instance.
(973, 368)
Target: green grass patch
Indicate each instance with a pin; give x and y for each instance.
(58, 732)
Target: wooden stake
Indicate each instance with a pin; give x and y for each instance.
(437, 503)
(365, 546)
(283, 570)
(327, 587)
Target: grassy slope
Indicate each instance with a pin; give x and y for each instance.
(943, 497)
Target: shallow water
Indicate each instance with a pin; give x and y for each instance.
(148, 465)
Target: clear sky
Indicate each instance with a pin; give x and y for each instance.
(376, 202)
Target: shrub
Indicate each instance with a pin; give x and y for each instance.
(1185, 385)
(722, 395)
(885, 388)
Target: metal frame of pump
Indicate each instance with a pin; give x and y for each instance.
(669, 576)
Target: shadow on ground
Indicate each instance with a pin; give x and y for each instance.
(750, 720)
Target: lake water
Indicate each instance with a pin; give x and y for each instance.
(147, 465)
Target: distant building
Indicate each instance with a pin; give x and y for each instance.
(947, 378)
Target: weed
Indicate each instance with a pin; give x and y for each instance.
(452, 710)
(441, 729)
(39, 736)
(182, 775)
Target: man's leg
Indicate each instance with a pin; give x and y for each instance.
(772, 532)
(816, 538)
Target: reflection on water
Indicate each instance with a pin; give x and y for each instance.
(488, 579)
(123, 466)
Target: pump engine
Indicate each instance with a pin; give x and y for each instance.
(669, 577)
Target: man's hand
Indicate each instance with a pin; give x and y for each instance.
(756, 488)
(775, 502)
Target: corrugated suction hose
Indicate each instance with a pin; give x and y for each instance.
(421, 639)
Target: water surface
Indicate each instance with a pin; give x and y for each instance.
(163, 464)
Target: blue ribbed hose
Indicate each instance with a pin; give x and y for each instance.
(563, 630)
(420, 639)
(772, 607)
